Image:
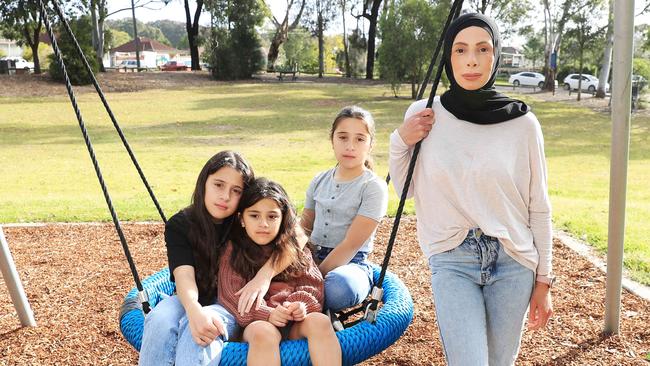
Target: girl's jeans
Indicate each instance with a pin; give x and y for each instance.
(167, 339)
(481, 295)
(347, 285)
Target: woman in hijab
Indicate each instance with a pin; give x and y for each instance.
(481, 199)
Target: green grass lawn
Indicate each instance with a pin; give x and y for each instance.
(46, 174)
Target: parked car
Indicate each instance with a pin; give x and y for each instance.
(129, 64)
(527, 78)
(174, 66)
(589, 82)
(21, 63)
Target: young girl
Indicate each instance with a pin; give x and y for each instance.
(343, 208)
(189, 328)
(266, 231)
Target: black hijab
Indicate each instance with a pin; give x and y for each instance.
(485, 105)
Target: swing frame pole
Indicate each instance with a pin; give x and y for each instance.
(15, 287)
(621, 103)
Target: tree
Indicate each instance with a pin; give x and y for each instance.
(82, 29)
(301, 50)
(607, 55)
(174, 32)
(144, 30)
(192, 25)
(22, 21)
(282, 30)
(370, 12)
(509, 13)
(585, 33)
(320, 13)
(554, 23)
(409, 30)
(116, 38)
(234, 44)
(358, 49)
(348, 72)
(534, 49)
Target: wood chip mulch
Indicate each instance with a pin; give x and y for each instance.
(75, 277)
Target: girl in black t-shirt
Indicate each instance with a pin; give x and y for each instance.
(190, 327)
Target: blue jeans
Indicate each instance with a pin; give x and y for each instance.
(347, 285)
(481, 296)
(167, 338)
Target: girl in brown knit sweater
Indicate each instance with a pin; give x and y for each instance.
(293, 304)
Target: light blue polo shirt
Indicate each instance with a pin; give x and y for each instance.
(337, 203)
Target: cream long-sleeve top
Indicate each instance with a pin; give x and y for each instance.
(488, 176)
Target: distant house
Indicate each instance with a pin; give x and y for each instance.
(511, 57)
(10, 48)
(152, 53)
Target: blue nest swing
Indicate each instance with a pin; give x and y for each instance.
(358, 342)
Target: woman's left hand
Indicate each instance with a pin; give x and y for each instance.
(253, 292)
(541, 307)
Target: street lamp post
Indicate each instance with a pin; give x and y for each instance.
(135, 34)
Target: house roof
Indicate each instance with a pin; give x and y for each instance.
(146, 44)
(512, 50)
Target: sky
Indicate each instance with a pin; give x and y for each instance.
(175, 10)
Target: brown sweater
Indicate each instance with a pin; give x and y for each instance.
(307, 288)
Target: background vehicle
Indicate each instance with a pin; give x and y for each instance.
(528, 79)
(174, 66)
(21, 63)
(129, 64)
(589, 82)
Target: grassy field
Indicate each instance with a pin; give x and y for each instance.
(46, 174)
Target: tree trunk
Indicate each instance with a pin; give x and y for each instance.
(96, 38)
(321, 66)
(193, 32)
(281, 34)
(554, 39)
(348, 72)
(274, 50)
(372, 31)
(607, 57)
(33, 41)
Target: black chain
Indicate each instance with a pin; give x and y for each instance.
(82, 126)
(81, 54)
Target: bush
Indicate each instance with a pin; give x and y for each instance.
(641, 67)
(235, 49)
(74, 65)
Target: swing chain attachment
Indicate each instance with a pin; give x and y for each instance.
(372, 308)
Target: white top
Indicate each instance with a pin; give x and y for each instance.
(488, 176)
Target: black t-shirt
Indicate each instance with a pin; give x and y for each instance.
(179, 249)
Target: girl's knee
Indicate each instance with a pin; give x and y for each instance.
(317, 324)
(262, 332)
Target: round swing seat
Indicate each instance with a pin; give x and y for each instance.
(358, 342)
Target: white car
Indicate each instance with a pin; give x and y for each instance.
(589, 82)
(21, 63)
(527, 78)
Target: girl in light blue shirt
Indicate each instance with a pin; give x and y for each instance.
(343, 208)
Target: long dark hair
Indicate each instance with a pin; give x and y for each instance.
(248, 257)
(365, 117)
(205, 240)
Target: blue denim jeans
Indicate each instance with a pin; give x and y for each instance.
(167, 338)
(481, 296)
(347, 285)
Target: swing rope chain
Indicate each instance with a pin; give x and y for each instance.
(59, 58)
(57, 8)
(377, 292)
